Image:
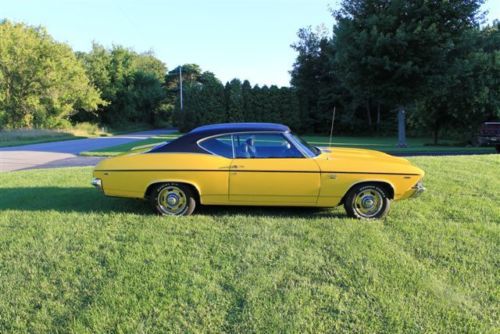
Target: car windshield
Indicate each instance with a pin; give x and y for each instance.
(311, 151)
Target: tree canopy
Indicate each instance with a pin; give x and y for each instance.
(432, 57)
(130, 82)
(41, 81)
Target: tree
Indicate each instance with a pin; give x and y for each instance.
(391, 50)
(290, 110)
(213, 97)
(132, 83)
(207, 101)
(248, 111)
(467, 93)
(306, 71)
(41, 82)
(316, 83)
(234, 101)
(204, 98)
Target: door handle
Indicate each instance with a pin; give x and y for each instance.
(237, 166)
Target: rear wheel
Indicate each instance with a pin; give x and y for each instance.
(367, 201)
(173, 199)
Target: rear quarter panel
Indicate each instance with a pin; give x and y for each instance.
(131, 175)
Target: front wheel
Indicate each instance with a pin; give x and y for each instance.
(368, 201)
(173, 199)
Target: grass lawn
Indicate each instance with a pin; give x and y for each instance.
(72, 260)
(82, 130)
(33, 136)
(119, 149)
(385, 144)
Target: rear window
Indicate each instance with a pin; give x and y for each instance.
(221, 145)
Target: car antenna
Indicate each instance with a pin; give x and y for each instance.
(331, 129)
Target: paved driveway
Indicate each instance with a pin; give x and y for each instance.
(64, 153)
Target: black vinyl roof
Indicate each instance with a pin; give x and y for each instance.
(188, 142)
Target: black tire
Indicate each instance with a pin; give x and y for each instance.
(182, 201)
(364, 193)
(497, 147)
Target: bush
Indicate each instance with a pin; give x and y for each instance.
(88, 128)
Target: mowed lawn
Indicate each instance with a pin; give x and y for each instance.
(72, 260)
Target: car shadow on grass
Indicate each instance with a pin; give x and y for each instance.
(270, 211)
(89, 200)
(67, 199)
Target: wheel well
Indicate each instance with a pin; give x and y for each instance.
(386, 186)
(153, 185)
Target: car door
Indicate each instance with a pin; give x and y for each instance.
(269, 170)
(215, 178)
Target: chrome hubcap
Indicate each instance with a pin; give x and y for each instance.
(172, 200)
(368, 203)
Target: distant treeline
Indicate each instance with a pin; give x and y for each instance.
(207, 100)
(433, 59)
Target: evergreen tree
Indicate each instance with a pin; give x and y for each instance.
(234, 101)
(212, 99)
(246, 93)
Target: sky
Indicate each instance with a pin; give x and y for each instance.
(245, 39)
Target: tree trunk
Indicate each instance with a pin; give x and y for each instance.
(378, 118)
(369, 114)
(436, 133)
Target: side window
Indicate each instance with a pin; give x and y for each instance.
(264, 145)
(221, 145)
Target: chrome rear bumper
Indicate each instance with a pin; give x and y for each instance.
(97, 183)
(418, 190)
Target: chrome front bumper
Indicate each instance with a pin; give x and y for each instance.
(418, 190)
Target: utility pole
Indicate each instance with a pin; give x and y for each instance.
(402, 127)
(181, 97)
(180, 84)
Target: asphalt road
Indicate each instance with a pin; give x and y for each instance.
(64, 153)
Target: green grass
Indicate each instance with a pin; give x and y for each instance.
(384, 144)
(137, 145)
(19, 137)
(72, 260)
(388, 144)
(33, 136)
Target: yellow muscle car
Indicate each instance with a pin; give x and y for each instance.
(258, 164)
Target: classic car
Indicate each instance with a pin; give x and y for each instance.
(261, 164)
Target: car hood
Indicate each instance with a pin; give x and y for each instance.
(364, 161)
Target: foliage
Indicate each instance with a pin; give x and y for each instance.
(132, 83)
(75, 261)
(41, 82)
(430, 56)
(467, 92)
(317, 86)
